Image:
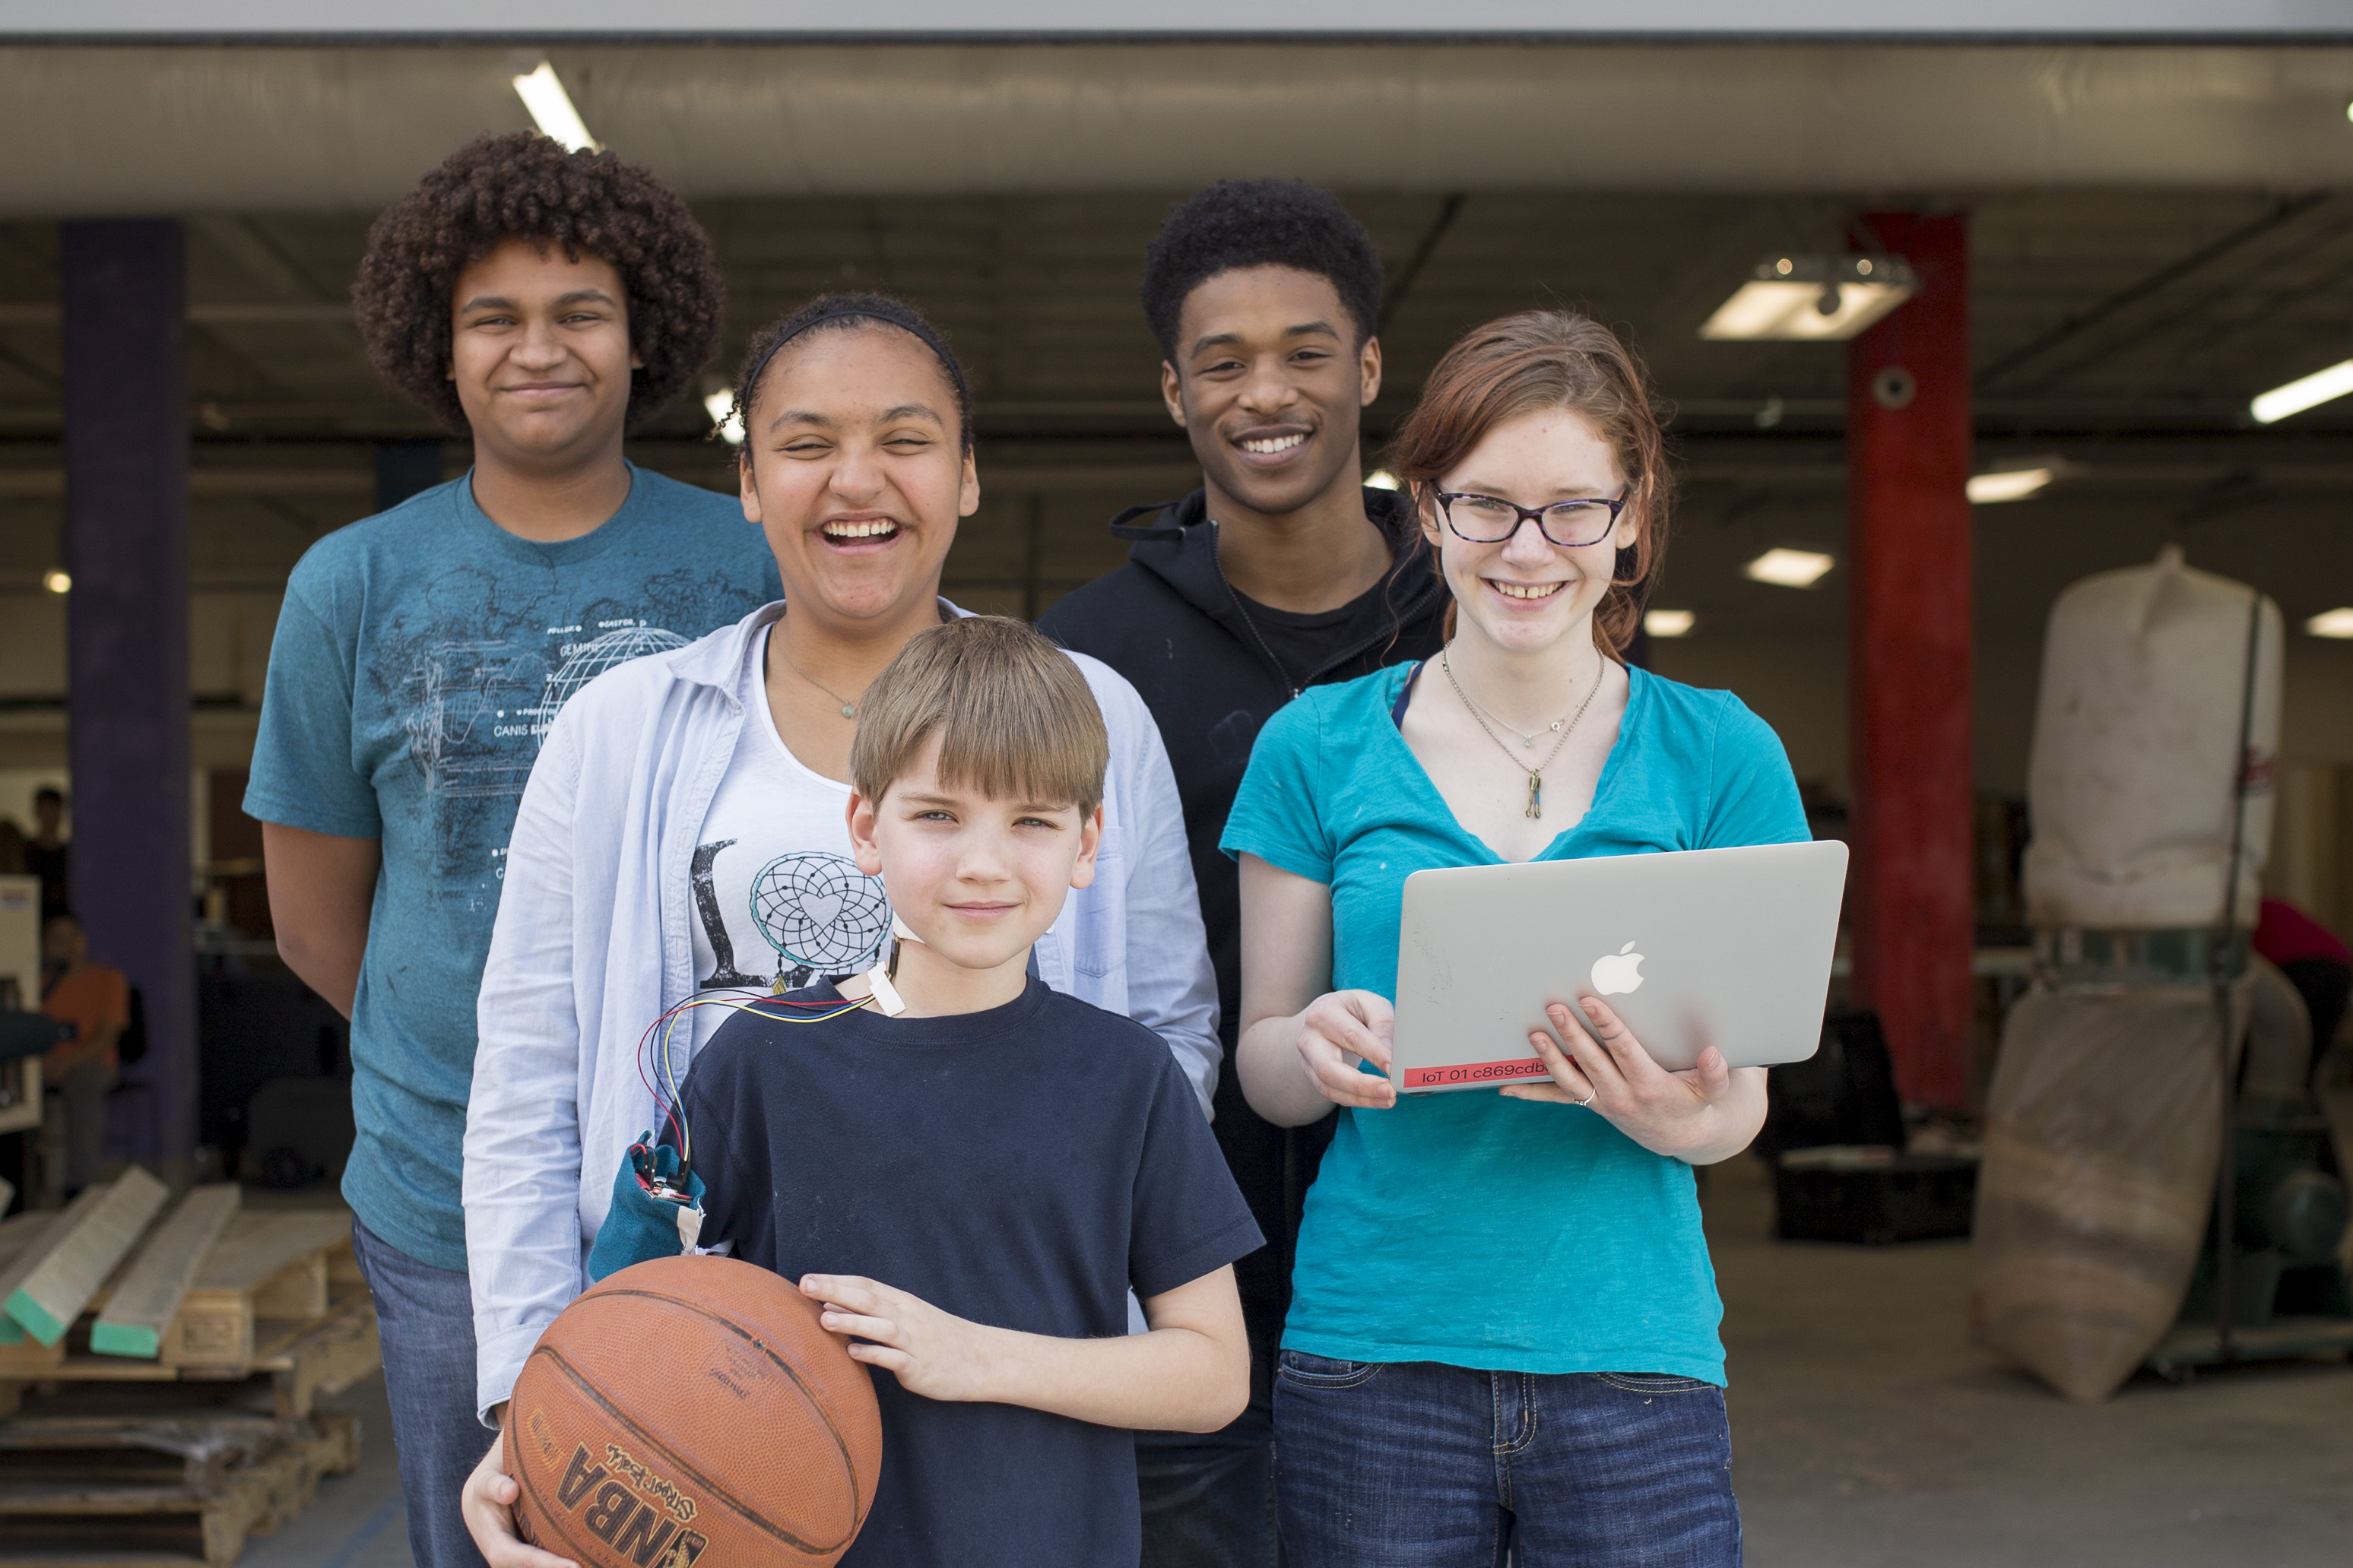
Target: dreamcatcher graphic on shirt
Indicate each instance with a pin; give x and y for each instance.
(821, 913)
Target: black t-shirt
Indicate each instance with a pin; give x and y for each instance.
(49, 866)
(1303, 643)
(1021, 1167)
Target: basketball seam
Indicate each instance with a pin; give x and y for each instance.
(680, 1463)
(816, 1398)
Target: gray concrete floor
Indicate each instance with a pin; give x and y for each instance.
(357, 1520)
(1867, 1433)
(1867, 1430)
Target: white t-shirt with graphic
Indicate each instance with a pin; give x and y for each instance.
(775, 891)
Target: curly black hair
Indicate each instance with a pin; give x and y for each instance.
(846, 313)
(1258, 223)
(524, 186)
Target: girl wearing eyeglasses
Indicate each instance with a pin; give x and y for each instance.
(1502, 1336)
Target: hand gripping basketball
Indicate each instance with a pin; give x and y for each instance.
(690, 1406)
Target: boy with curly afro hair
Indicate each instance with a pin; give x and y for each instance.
(540, 304)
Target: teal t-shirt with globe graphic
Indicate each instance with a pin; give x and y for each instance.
(420, 657)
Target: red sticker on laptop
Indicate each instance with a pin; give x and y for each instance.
(1474, 1072)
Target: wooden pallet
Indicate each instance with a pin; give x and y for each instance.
(274, 1294)
(79, 1492)
(302, 1359)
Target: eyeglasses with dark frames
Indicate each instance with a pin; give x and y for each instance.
(1491, 519)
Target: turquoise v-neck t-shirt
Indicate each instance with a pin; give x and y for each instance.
(1465, 1228)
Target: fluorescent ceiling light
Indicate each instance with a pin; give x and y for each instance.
(2332, 623)
(721, 406)
(2009, 484)
(1788, 568)
(57, 581)
(1668, 623)
(2296, 397)
(552, 112)
(1380, 479)
(1811, 299)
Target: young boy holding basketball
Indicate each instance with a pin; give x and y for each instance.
(969, 1170)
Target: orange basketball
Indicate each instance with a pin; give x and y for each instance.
(692, 1405)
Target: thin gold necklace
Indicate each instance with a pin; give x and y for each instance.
(1566, 728)
(848, 709)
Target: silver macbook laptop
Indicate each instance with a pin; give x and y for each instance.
(1723, 947)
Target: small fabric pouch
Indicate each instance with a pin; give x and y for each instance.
(653, 1215)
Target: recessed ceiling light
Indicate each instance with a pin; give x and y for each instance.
(57, 581)
(721, 406)
(2332, 623)
(1380, 479)
(1788, 568)
(2008, 484)
(1811, 297)
(2309, 392)
(551, 109)
(1668, 623)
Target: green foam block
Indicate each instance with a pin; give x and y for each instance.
(124, 1338)
(10, 1334)
(36, 1319)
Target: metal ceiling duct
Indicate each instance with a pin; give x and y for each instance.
(136, 128)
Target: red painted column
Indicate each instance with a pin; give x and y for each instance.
(1910, 565)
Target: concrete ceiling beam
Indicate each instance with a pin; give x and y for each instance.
(200, 129)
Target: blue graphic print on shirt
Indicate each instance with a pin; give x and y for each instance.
(419, 657)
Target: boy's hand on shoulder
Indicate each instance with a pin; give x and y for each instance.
(934, 1353)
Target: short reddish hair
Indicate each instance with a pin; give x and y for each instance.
(1528, 363)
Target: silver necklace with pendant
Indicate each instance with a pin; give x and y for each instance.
(1567, 727)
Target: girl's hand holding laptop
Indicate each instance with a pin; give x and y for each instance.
(1685, 1115)
(1699, 1115)
(1340, 1029)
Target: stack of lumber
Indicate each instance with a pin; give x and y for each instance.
(115, 1493)
(107, 1291)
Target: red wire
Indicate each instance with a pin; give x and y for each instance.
(670, 1117)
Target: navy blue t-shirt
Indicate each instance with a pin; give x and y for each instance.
(1021, 1167)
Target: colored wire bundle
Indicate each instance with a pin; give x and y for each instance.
(663, 1062)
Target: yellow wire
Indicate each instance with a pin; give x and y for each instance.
(669, 1077)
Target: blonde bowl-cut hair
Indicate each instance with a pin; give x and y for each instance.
(1015, 718)
(1533, 362)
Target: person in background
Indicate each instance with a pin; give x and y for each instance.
(45, 850)
(1283, 572)
(542, 304)
(2316, 962)
(1502, 1336)
(96, 1000)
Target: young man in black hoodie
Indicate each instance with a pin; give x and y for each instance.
(1281, 573)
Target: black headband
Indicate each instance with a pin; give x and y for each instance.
(915, 329)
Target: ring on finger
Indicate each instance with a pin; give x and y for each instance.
(1586, 1101)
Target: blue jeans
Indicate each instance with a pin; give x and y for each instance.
(1208, 1497)
(426, 1318)
(1417, 1465)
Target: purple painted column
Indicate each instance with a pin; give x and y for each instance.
(126, 445)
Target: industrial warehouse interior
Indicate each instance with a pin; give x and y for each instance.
(2154, 230)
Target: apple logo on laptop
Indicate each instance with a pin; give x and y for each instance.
(1621, 971)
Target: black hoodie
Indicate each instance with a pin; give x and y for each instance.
(1213, 669)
